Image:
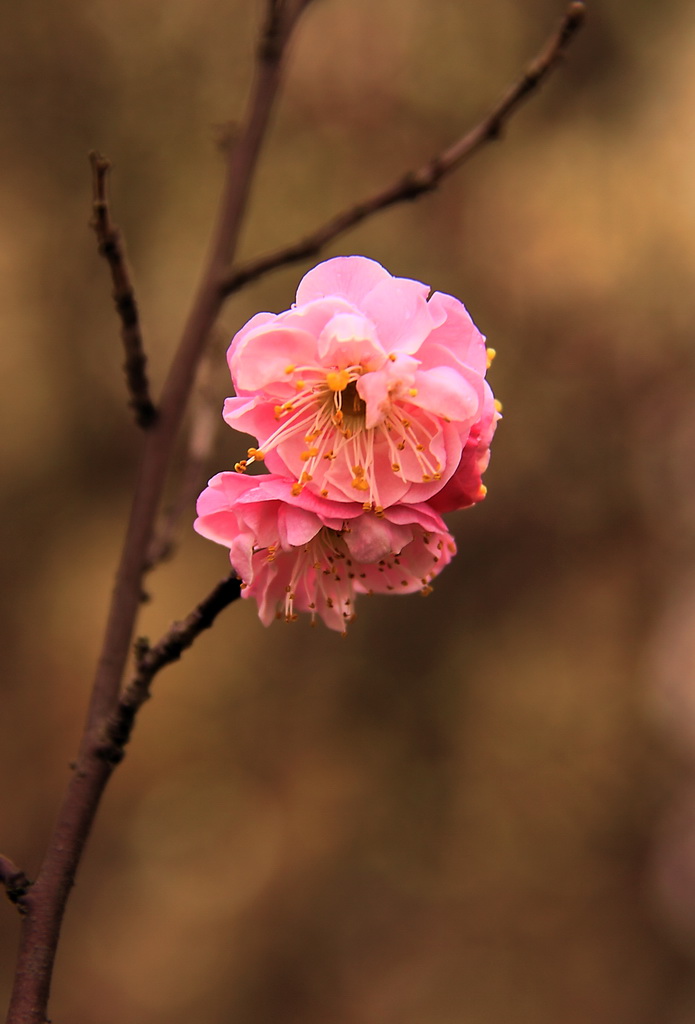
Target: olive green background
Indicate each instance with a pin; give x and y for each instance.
(477, 808)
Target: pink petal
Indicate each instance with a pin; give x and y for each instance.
(401, 313)
(379, 387)
(349, 339)
(263, 356)
(296, 526)
(456, 338)
(372, 538)
(446, 393)
(351, 277)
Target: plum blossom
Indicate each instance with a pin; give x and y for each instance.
(298, 552)
(366, 390)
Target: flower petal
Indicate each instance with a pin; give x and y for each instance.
(351, 277)
(445, 392)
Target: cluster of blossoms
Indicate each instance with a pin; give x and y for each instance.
(371, 411)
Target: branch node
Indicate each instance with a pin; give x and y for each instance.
(15, 882)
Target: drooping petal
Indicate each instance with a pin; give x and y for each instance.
(371, 538)
(292, 560)
(296, 526)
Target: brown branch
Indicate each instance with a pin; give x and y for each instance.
(15, 882)
(46, 900)
(203, 426)
(112, 249)
(151, 660)
(425, 179)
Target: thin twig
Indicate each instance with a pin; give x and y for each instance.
(151, 660)
(112, 249)
(425, 179)
(15, 882)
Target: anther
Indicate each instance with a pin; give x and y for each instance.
(337, 380)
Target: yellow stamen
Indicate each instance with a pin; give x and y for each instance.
(337, 380)
(491, 353)
(498, 405)
(290, 368)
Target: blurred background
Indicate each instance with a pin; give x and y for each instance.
(478, 808)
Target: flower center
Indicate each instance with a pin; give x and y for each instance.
(348, 403)
(329, 415)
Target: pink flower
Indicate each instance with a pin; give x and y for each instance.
(365, 390)
(299, 552)
(465, 487)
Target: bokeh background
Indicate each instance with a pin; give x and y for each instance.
(480, 807)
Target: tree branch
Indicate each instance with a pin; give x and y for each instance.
(151, 660)
(112, 249)
(202, 429)
(426, 178)
(46, 899)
